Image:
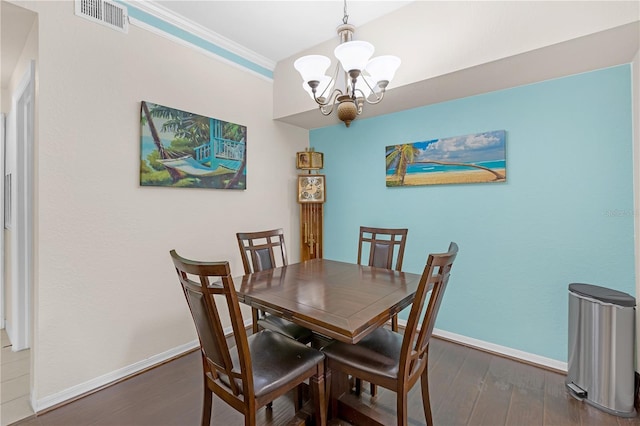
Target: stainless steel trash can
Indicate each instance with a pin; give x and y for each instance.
(601, 348)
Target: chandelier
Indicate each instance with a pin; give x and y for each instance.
(357, 78)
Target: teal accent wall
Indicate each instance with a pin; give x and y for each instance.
(565, 213)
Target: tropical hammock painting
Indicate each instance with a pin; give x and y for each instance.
(182, 149)
(475, 158)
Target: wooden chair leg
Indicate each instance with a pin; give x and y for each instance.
(402, 408)
(426, 402)
(317, 385)
(358, 386)
(373, 389)
(297, 397)
(250, 418)
(206, 405)
(255, 314)
(339, 385)
(327, 392)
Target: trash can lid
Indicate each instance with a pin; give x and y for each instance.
(603, 294)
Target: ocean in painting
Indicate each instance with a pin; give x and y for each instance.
(438, 168)
(474, 158)
(148, 146)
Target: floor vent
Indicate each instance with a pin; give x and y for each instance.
(104, 12)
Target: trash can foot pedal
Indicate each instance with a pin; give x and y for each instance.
(577, 391)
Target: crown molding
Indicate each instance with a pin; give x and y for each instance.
(160, 12)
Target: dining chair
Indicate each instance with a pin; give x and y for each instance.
(382, 244)
(258, 250)
(390, 359)
(259, 368)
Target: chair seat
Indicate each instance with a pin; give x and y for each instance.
(287, 328)
(378, 353)
(276, 360)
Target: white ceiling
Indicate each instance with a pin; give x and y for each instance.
(272, 30)
(276, 30)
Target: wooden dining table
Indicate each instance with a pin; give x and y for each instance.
(335, 300)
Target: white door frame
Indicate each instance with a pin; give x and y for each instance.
(22, 229)
(3, 141)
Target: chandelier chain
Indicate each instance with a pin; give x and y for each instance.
(345, 18)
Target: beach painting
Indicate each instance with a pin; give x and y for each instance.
(187, 150)
(476, 158)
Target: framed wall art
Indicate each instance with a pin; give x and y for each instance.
(187, 150)
(475, 158)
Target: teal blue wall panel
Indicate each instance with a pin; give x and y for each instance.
(565, 213)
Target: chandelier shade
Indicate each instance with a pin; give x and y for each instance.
(312, 67)
(354, 55)
(383, 68)
(358, 78)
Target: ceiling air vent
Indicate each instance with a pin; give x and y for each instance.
(104, 12)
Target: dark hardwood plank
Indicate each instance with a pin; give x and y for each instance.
(495, 391)
(526, 406)
(559, 407)
(468, 387)
(456, 405)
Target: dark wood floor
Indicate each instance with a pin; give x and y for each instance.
(468, 387)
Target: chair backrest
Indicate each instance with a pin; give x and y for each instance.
(420, 323)
(382, 246)
(217, 360)
(258, 250)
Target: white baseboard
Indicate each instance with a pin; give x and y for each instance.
(114, 376)
(93, 384)
(98, 382)
(503, 350)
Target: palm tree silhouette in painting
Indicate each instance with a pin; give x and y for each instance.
(399, 157)
(202, 151)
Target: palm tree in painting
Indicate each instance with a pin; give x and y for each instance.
(399, 157)
(194, 128)
(164, 154)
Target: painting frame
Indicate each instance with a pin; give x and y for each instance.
(188, 150)
(473, 158)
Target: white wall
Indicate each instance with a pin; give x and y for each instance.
(107, 294)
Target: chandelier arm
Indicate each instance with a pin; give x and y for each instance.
(328, 101)
(331, 101)
(334, 80)
(324, 111)
(377, 100)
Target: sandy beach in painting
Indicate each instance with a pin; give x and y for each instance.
(435, 178)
